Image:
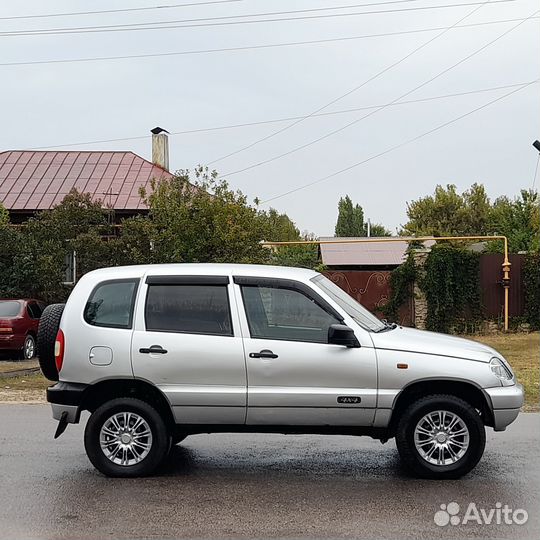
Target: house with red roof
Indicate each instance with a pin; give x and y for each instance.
(31, 181)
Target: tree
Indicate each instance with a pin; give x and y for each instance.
(202, 220)
(518, 220)
(377, 230)
(447, 213)
(350, 221)
(4, 216)
(278, 227)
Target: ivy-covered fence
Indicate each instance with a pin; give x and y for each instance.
(531, 285)
(451, 284)
(453, 292)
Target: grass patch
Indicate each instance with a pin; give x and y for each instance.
(13, 365)
(523, 353)
(27, 388)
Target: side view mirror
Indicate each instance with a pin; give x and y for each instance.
(341, 334)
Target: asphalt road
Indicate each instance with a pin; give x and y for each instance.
(260, 486)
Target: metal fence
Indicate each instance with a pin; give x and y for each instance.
(491, 289)
(372, 288)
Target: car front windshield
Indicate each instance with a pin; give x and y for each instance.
(9, 308)
(355, 310)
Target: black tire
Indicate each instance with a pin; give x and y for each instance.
(410, 455)
(47, 330)
(159, 447)
(24, 352)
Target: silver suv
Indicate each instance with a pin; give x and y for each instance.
(157, 353)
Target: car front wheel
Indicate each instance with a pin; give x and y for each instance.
(126, 437)
(440, 436)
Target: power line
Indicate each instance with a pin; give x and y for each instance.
(400, 145)
(173, 24)
(286, 119)
(125, 10)
(252, 47)
(357, 120)
(208, 18)
(355, 89)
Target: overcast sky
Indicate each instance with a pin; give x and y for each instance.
(64, 103)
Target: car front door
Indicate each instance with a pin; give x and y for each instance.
(295, 377)
(188, 343)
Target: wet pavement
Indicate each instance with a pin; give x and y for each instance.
(231, 485)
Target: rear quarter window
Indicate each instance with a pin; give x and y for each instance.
(111, 304)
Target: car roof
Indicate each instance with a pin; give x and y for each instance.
(211, 269)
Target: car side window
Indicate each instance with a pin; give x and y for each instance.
(285, 314)
(34, 310)
(111, 304)
(188, 308)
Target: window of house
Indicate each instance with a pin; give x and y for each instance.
(285, 314)
(70, 268)
(111, 304)
(188, 308)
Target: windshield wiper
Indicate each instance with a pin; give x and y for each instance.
(387, 326)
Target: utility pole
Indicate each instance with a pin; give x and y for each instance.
(536, 144)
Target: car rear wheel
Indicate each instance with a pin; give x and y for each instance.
(126, 437)
(29, 348)
(440, 436)
(49, 324)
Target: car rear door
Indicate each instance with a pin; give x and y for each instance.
(34, 311)
(295, 376)
(187, 342)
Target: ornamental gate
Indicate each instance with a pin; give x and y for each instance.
(372, 290)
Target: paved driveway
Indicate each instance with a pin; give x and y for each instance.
(253, 486)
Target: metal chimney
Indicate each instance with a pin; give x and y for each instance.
(160, 148)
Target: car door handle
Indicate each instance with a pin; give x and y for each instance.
(153, 349)
(265, 353)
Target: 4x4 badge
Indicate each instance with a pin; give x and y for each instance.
(349, 399)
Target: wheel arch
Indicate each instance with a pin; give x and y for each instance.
(108, 389)
(466, 390)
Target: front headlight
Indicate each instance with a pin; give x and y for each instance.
(500, 370)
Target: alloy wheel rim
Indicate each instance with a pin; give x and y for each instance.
(441, 438)
(125, 438)
(29, 348)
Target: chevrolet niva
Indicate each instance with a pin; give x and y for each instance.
(159, 352)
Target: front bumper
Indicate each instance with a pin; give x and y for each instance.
(506, 402)
(66, 398)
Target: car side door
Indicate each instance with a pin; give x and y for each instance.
(187, 342)
(295, 376)
(34, 311)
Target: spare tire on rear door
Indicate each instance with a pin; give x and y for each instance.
(47, 331)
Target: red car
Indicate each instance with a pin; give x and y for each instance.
(19, 320)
